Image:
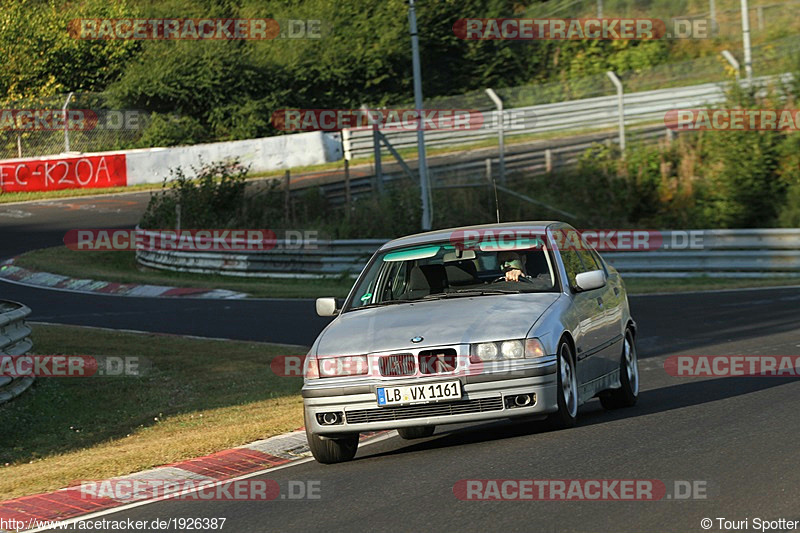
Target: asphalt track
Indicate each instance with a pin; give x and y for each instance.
(736, 436)
(38, 225)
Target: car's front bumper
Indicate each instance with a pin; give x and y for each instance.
(483, 398)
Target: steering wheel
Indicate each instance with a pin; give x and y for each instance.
(524, 278)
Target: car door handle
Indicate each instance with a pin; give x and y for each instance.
(616, 291)
(600, 301)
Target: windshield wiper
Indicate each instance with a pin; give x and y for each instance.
(468, 292)
(381, 304)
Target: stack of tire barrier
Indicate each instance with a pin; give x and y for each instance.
(15, 341)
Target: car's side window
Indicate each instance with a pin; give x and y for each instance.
(589, 262)
(399, 281)
(569, 254)
(600, 264)
(577, 256)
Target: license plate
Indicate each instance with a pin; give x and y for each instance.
(428, 392)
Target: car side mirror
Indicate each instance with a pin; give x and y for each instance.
(587, 281)
(327, 307)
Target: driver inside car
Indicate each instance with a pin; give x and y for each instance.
(512, 264)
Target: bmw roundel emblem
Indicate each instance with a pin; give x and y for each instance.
(417, 339)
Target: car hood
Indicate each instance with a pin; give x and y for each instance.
(439, 322)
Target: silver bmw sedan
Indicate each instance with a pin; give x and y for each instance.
(470, 324)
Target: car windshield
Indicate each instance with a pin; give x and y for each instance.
(448, 270)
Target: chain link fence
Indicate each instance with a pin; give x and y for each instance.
(74, 122)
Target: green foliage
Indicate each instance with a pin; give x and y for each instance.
(213, 199)
(172, 130)
(41, 58)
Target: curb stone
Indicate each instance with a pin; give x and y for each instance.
(46, 280)
(72, 502)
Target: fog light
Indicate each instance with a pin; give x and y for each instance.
(330, 419)
(520, 400)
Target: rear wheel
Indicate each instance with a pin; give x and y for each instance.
(416, 432)
(567, 390)
(628, 393)
(332, 450)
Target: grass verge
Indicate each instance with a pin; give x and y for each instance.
(199, 396)
(121, 267)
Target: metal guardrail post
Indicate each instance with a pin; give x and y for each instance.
(347, 198)
(620, 110)
(66, 122)
(500, 133)
(748, 59)
(287, 197)
(422, 165)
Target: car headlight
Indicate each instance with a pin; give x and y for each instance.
(512, 349)
(350, 365)
(505, 350)
(487, 351)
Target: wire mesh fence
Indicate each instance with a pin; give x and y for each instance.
(75, 122)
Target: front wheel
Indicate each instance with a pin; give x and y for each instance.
(416, 432)
(332, 450)
(628, 393)
(567, 390)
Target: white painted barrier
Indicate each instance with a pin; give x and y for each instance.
(151, 165)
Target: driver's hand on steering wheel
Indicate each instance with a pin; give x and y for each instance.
(513, 274)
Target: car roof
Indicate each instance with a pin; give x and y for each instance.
(445, 234)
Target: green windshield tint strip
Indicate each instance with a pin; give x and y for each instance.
(411, 254)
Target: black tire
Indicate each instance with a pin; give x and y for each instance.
(416, 432)
(332, 450)
(567, 412)
(628, 393)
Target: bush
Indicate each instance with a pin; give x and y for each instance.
(213, 199)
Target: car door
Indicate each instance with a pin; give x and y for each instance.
(609, 318)
(586, 312)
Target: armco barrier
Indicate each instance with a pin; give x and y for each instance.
(14, 341)
(586, 114)
(731, 253)
(325, 258)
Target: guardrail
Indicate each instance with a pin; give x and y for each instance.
(586, 114)
(536, 157)
(14, 341)
(729, 253)
(323, 258)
